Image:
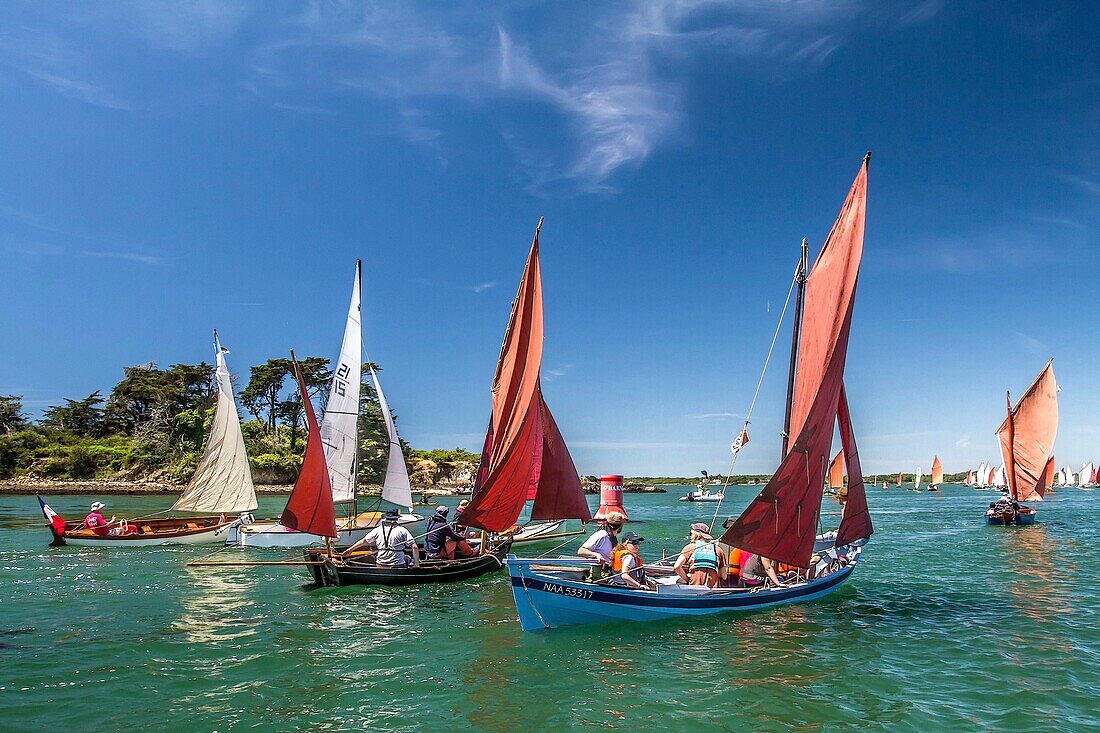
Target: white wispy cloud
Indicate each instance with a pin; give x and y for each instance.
(963, 442)
(484, 286)
(629, 445)
(141, 259)
(557, 372)
(1032, 345)
(605, 84)
(715, 415)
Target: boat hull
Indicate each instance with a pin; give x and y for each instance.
(545, 601)
(1001, 520)
(153, 533)
(364, 572)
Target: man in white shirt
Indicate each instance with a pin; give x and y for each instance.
(395, 546)
(599, 546)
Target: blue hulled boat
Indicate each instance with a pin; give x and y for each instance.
(552, 593)
(781, 522)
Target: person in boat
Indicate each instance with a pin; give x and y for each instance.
(456, 522)
(441, 541)
(598, 547)
(627, 563)
(95, 521)
(757, 570)
(706, 560)
(395, 546)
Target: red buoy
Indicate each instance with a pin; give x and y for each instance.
(611, 496)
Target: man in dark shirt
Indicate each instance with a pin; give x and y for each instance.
(440, 539)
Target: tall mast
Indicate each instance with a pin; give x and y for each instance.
(800, 280)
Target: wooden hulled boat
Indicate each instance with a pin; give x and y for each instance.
(360, 568)
(220, 488)
(524, 458)
(1027, 443)
(780, 522)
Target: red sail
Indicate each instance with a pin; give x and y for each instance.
(309, 508)
(937, 471)
(1048, 474)
(1031, 443)
(525, 454)
(781, 522)
(856, 522)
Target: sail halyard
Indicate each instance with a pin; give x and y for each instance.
(524, 453)
(309, 508)
(781, 522)
(396, 488)
(340, 423)
(222, 481)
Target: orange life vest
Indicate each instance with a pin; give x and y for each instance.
(617, 559)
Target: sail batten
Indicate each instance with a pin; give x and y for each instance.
(781, 522)
(340, 423)
(222, 482)
(524, 453)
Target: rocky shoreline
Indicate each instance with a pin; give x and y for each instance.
(24, 486)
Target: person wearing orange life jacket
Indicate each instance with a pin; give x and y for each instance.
(627, 563)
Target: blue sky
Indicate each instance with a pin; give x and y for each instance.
(166, 168)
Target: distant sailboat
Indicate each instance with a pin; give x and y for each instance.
(836, 474)
(1027, 443)
(916, 479)
(937, 474)
(898, 485)
(1088, 476)
(969, 479)
(221, 486)
(981, 477)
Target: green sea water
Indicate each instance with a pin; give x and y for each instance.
(948, 624)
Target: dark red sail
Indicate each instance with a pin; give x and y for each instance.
(525, 454)
(781, 522)
(856, 522)
(1030, 442)
(309, 508)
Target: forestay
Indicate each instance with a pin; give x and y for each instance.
(340, 424)
(223, 480)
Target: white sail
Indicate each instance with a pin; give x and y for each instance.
(1063, 478)
(1086, 474)
(223, 480)
(916, 479)
(1000, 478)
(395, 487)
(983, 471)
(340, 425)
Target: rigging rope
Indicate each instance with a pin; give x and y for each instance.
(759, 384)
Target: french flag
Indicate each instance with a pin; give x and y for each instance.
(53, 519)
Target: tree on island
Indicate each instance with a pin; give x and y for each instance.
(12, 418)
(81, 417)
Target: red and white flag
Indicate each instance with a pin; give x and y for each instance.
(53, 519)
(740, 441)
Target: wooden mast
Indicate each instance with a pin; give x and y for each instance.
(800, 279)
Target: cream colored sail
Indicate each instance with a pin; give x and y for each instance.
(340, 425)
(223, 480)
(395, 486)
